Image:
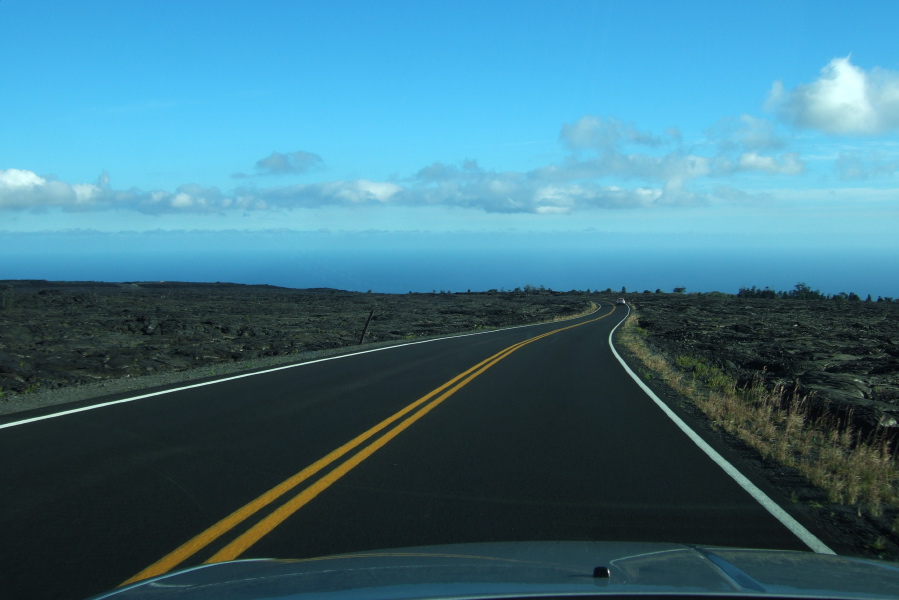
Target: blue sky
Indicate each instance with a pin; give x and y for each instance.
(643, 133)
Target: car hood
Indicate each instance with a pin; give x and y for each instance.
(534, 569)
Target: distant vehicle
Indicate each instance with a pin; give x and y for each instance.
(620, 301)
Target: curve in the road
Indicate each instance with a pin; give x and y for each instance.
(770, 505)
(555, 443)
(266, 525)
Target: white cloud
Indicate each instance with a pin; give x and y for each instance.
(544, 191)
(844, 100)
(552, 210)
(609, 138)
(864, 165)
(789, 163)
(85, 193)
(293, 162)
(328, 193)
(25, 190)
(280, 163)
(678, 166)
(605, 153)
(745, 132)
(22, 189)
(12, 179)
(745, 144)
(188, 198)
(591, 132)
(357, 192)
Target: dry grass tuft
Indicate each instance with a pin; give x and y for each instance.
(590, 308)
(778, 423)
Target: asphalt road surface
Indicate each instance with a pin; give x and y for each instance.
(503, 436)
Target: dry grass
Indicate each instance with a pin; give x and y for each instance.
(779, 424)
(590, 308)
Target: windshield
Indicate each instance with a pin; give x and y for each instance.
(553, 271)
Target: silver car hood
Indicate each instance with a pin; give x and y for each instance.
(530, 569)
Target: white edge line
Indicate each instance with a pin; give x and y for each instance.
(281, 368)
(772, 507)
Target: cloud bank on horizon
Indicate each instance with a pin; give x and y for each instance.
(609, 164)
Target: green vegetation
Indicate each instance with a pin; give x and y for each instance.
(802, 291)
(711, 376)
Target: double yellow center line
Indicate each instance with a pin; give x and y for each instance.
(240, 544)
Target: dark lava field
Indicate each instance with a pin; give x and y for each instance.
(58, 334)
(844, 353)
(61, 335)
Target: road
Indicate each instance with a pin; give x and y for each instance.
(511, 435)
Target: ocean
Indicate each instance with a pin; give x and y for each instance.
(422, 262)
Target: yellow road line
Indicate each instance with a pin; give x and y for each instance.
(251, 536)
(255, 533)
